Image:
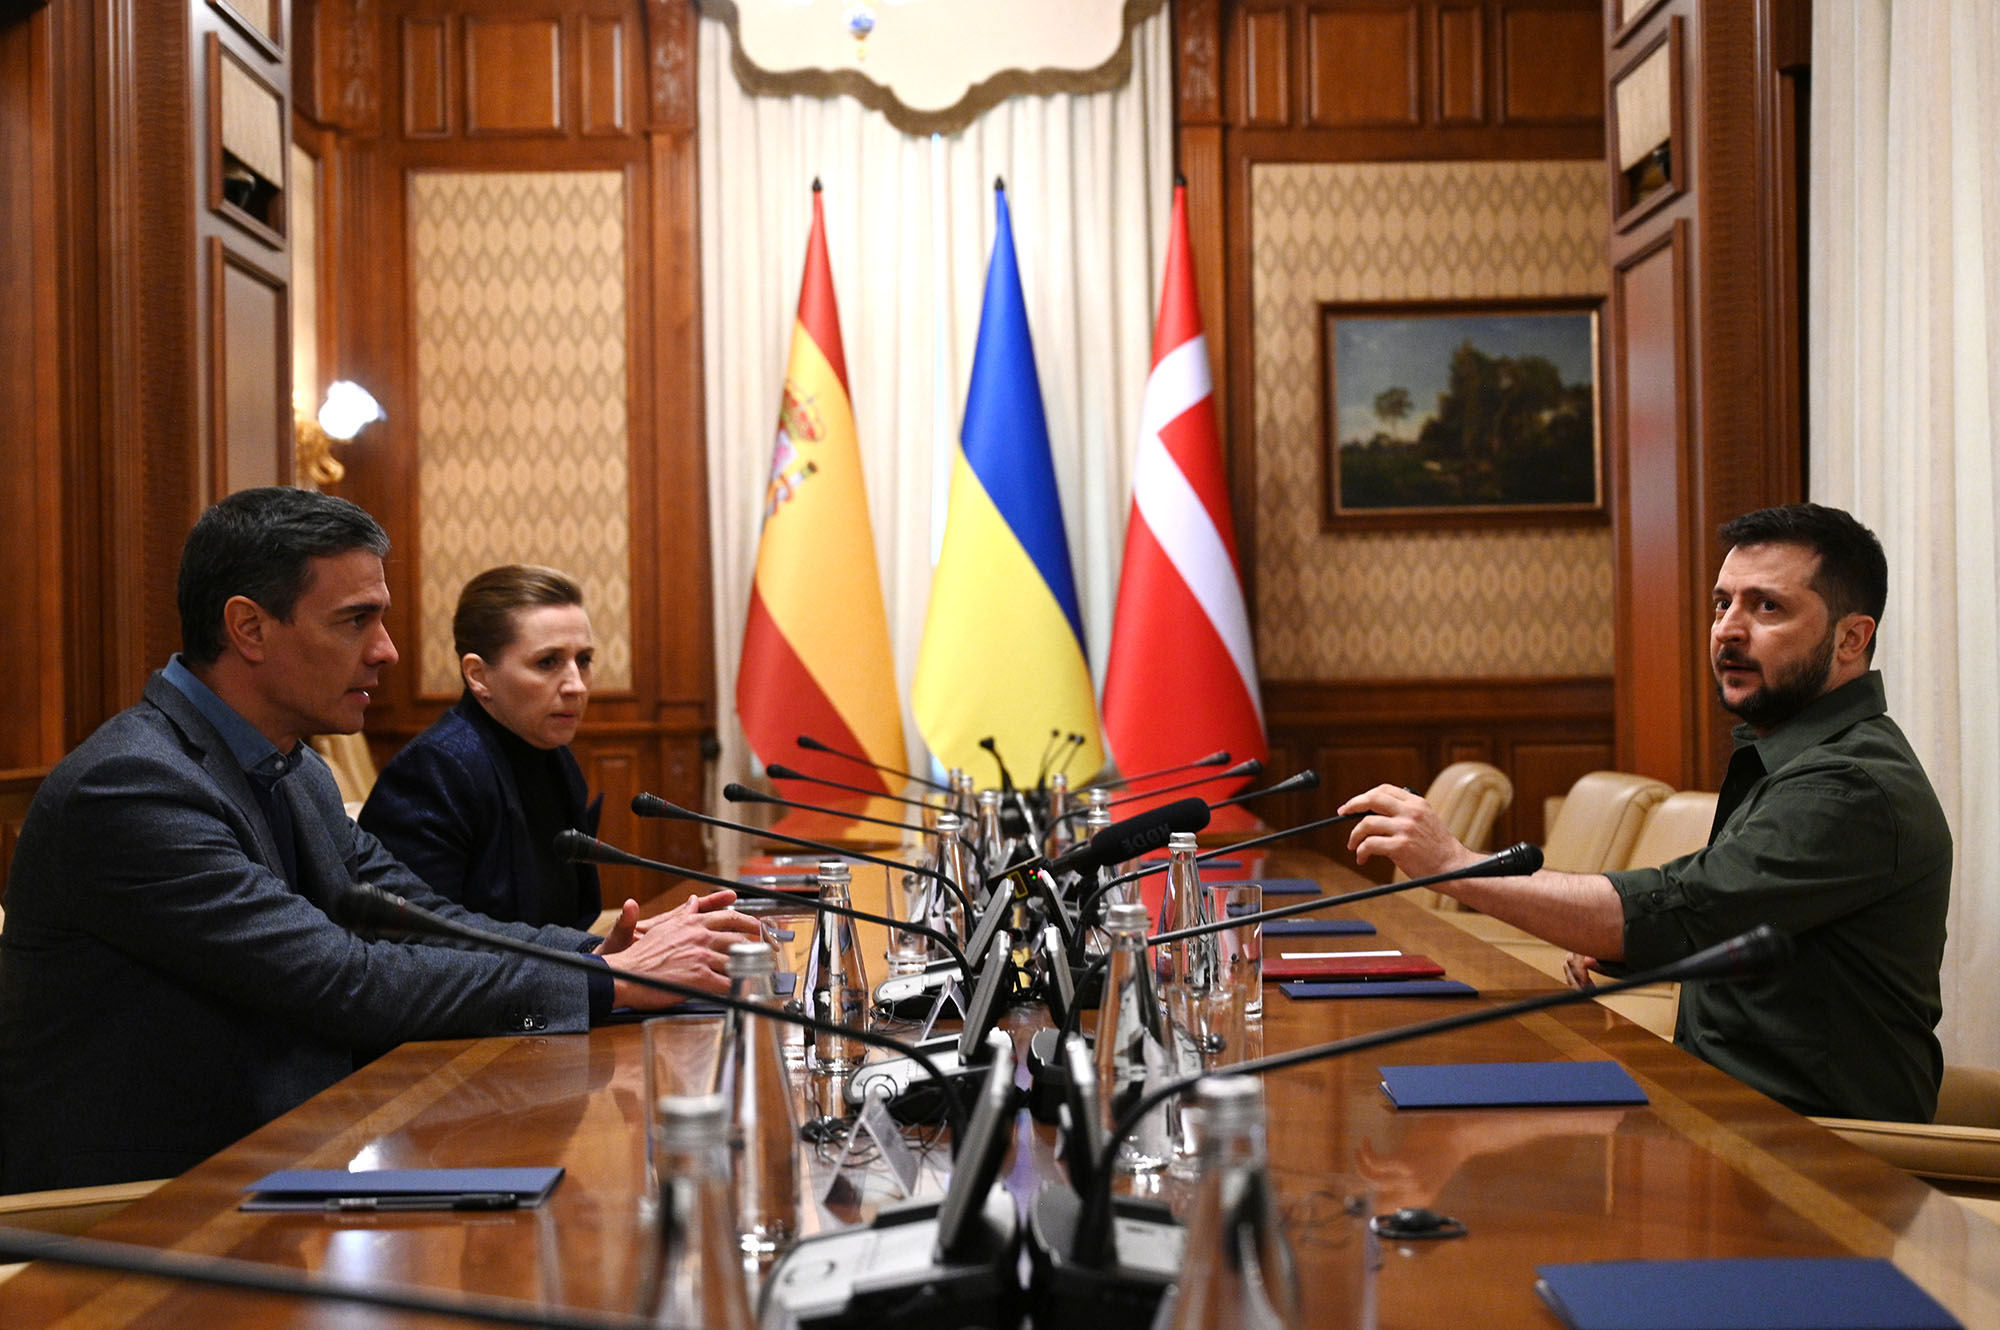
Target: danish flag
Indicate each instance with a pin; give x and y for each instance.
(1182, 675)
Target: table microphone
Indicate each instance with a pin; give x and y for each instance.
(577, 847)
(1097, 893)
(778, 771)
(652, 805)
(1216, 759)
(1046, 1050)
(1305, 780)
(1514, 861)
(367, 908)
(812, 745)
(1758, 951)
(1249, 766)
(1139, 834)
(743, 794)
(251, 1276)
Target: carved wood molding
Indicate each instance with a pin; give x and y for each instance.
(670, 63)
(1198, 61)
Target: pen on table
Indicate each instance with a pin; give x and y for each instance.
(471, 1200)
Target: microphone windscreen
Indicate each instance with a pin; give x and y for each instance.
(1758, 951)
(779, 771)
(366, 908)
(575, 847)
(812, 745)
(741, 794)
(1517, 860)
(1136, 835)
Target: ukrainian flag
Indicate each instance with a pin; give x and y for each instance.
(1003, 640)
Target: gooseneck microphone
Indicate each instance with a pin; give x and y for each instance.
(652, 805)
(1249, 766)
(1514, 861)
(812, 745)
(1219, 758)
(367, 908)
(1136, 835)
(252, 1276)
(992, 746)
(1305, 780)
(1758, 951)
(743, 794)
(577, 847)
(779, 771)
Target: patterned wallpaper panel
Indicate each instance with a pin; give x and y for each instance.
(1513, 602)
(520, 332)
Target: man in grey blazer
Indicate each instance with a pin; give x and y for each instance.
(171, 972)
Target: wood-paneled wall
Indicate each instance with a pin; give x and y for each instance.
(1270, 81)
(414, 87)
(1704, 342)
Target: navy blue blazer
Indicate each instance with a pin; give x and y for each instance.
(164, 990)
(448, 808)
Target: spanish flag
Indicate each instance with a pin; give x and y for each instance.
(1003, 639)
(816, 656)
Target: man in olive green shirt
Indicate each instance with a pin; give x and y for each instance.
(1826, 828)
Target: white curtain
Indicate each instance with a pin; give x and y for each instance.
(910, 224)
(1904, 366)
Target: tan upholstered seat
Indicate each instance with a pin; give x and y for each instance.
(1469, 797)
(1959, 1151)
(353, 767)
(1678, 825)
(1600, 821)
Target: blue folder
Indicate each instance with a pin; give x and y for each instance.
(392, 1189)
(1510, 1084)
(1376, 988)
(1316, 927)
(1808, 1293)
(1279, 886)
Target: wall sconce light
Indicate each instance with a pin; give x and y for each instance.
(349, 408)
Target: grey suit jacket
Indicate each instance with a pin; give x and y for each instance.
(164, 990)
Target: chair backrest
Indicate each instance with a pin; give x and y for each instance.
(353, 765)
(1968, 1097)
(1469, 797)
(1677, 825)
(1600, 821)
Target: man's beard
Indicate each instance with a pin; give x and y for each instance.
(1777, 700)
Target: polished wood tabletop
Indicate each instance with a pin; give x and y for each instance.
(1706, 1168)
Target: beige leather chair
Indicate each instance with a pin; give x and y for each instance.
(1596, 830)
(353, 767)
(1959, 1152)
(1678, 825)
(1600, 821)
(1469, 797)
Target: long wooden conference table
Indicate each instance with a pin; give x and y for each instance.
(1707, 1168)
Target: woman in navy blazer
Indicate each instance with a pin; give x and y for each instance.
(473, 804)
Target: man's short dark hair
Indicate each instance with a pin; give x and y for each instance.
(259, 543)
(1853, 576)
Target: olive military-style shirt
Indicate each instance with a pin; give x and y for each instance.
(1827, 829)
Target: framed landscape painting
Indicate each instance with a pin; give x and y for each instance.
(1461, 413)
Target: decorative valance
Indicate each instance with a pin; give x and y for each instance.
(930, 66)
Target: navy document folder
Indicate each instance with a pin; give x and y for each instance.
(1811, 1293)
(369, 1190)
(1510, 1085)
